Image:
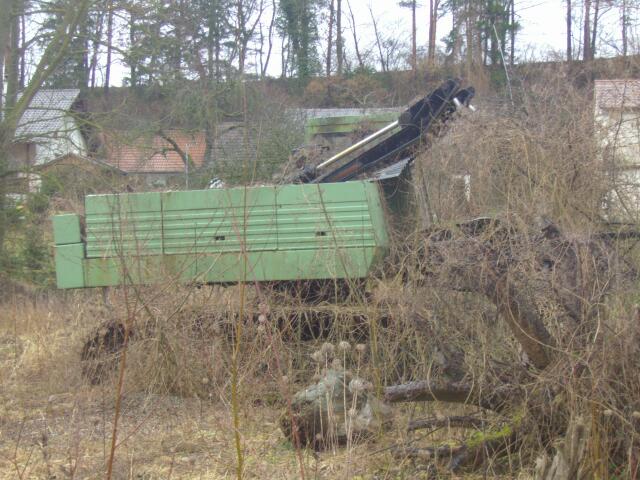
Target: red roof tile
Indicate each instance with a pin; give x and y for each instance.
(153, 154)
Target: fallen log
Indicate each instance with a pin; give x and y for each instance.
(490, 398)
(454, 421)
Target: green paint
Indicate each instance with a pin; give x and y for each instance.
(347, 124)
(66, 229)
(290, 232)
(70, 266)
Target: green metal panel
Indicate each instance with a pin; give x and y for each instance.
(123, 224)
(354, 119)
(66, 229)
(320, 231)
(230, 267)
(324, 216)
(226, 220)
(69, 266)
(143, 269)
(347, 124)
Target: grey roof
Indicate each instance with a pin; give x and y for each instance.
(230, 145)
(46, 112)
(309, 113)
(392, 171)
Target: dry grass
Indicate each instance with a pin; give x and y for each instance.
(175, 420)
(177, 412)
(176, 417)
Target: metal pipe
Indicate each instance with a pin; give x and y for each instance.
(359, 144)
(458, 105)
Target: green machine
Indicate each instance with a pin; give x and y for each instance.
(328, 224)
(280, 233)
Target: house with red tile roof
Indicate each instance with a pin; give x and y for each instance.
(157, 156)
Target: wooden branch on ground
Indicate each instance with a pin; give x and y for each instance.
(493, 398)
(427, 453)
(424, 391)
(456, 421)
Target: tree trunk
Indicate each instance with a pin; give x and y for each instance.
(133, 67)
(13, 62)
(355, 38)
(272, 23)
(5, 38)
(569, 33)
(512, 55)
(586, 33)
(330, 39)
(97, 41)
(470, 28)
(594, 32)
(339, 45)
(624, 28)
(284, 57)
(5, 141)
(378, 41)
(2, 82)
(23, 50)
(6, 129)
(433, 23)
(107, 74)
(414, 41)
(521, 314)
(83, 55)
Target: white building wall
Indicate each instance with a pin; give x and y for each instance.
(57, 144)
(620, 131)
(620, 134)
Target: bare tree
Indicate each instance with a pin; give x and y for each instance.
(355, 37)
(411, 4)
(471, 19)
(339, 43)
(248, 14)
(569, 33)
(624, 20)
(512, 10)
(107, 74)
(383, 64)
(272, 24)
(5, 35)
(587, 53)
(23, 50)
(434, 6)
(12, 68)
(97, 43)
(594, 31)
